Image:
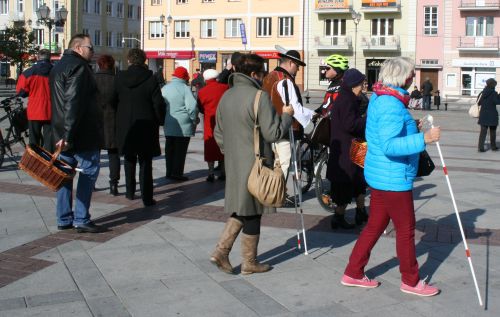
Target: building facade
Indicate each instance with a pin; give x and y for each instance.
(204, 33)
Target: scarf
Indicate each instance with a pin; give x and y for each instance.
(381, 89)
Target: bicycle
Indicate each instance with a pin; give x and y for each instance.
(15, 114)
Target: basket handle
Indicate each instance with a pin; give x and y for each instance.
(55, 155)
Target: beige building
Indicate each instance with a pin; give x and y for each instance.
(365, 31)
(204, 33)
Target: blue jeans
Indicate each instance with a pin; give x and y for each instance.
(89, 163)
(427, 102)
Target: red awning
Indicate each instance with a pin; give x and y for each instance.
(170, 54)
(268, 54)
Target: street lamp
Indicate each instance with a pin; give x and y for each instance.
(356, 17)
(169, 21)
(43, 14)
(130, 38)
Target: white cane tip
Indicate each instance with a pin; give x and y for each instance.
(306, 253)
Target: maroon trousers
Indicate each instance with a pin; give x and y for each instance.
(385, 206)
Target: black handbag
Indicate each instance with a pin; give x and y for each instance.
(425, 164)
(321, 132)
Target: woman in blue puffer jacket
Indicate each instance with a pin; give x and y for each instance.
(391, 164)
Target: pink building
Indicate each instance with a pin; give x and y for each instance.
(458, 44)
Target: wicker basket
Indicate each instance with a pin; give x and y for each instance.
(45, 167)
(358, 152)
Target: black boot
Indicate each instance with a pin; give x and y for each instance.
(339, 221)
(113, 188)
(361, 216)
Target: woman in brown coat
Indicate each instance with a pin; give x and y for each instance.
(234, 135)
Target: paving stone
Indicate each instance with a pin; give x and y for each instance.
(12, 303)
(54, 298)
(107, 307)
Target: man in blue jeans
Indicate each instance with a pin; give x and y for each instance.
(78, 129)
(427, 93)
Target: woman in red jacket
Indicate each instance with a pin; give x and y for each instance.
(208, 100)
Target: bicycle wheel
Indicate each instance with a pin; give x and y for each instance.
(305, 164)
(323, 184)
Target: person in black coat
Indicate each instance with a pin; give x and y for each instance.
(488, 115)
(230, 68)
(347, 180)
(140, 110)
(104, 78)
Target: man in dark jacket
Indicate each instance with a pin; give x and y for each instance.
(427, 93)
(140, 109)
(76, 128)
(231, 65)
(34, 83)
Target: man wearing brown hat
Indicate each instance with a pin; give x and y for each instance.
(280, 84)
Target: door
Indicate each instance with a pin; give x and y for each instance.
(433, 77)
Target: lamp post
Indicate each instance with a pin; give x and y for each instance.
(356, 17)
(43, 15)
(169, 20)
(130, 38)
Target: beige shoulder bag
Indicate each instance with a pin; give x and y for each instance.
(265, 184)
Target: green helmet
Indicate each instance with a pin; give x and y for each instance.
(337, 61)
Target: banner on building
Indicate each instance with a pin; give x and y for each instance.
(331, 4)
(170, 54)
(268, 54)
(378, 3)
(207, 56)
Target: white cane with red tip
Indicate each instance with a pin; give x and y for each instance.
(430, 120)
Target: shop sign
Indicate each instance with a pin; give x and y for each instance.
(378, 3)
(207, 56)
(331, 4)
(476, 62)
(375, 62)
(170, 54)
(268, 54)
(243, 34)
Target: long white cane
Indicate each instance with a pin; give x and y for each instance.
(297, 189)
(430, 120)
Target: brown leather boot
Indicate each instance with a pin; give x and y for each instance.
(220, 256)
(250, 264)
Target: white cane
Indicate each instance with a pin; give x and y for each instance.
(297, 189)
(430, 120)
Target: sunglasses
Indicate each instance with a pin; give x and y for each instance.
(91, 48)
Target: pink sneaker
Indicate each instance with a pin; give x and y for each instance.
(363, 282)
(421, 289)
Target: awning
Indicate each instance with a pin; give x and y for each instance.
(170, 54)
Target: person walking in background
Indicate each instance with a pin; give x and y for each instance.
(105, 77)
(198, 82)
(415, 99)
(160, 78)
(234, 133)
(78, 130)
(231, 67)
(180, 122)
(488, 115)
(391, 164)
(208, 100)
(437, 99)
(140, 110)
(427, 93)
(346, 178)
(34, 83)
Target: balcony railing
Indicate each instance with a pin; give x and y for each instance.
(486, 44)
(339, 43)
(380, 43)
(479, 5)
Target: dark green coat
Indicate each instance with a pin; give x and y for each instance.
(234, 135)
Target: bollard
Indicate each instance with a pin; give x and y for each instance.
(445, 106)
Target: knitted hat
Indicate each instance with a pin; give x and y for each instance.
(182, 73)
(210, 74)
(353, 77)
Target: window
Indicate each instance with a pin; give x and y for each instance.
(181, 29)
(130, 11)
(138, 12)
(85, 31)
(382, 27)
(4, 6)
(182, 1)
(86, 6)
(119, 10)
(479, 26)
(119, 39)
(263, 27)
(286, 26)
(109, 39)
(97, 6)
(20, 6)
(335, 27)
(430, 21)
(38, 36)
(155, 2)
(207, 1)
(208, 28)
(155, 30)
(97, 38)
(233, 27)
(109, 8)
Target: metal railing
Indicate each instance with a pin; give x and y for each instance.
(335, 42)
(479, 3)
(483, 42)
(390, 42)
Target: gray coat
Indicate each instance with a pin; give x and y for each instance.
(234, 135)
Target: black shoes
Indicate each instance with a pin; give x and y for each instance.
(222, 177)
(361, 216)
(338, 221)
(178, 178)
(130, 196)
(148, 203)
(113, 188)
(88, 228)
(210, 178)
(65, 227)
(494, 149)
